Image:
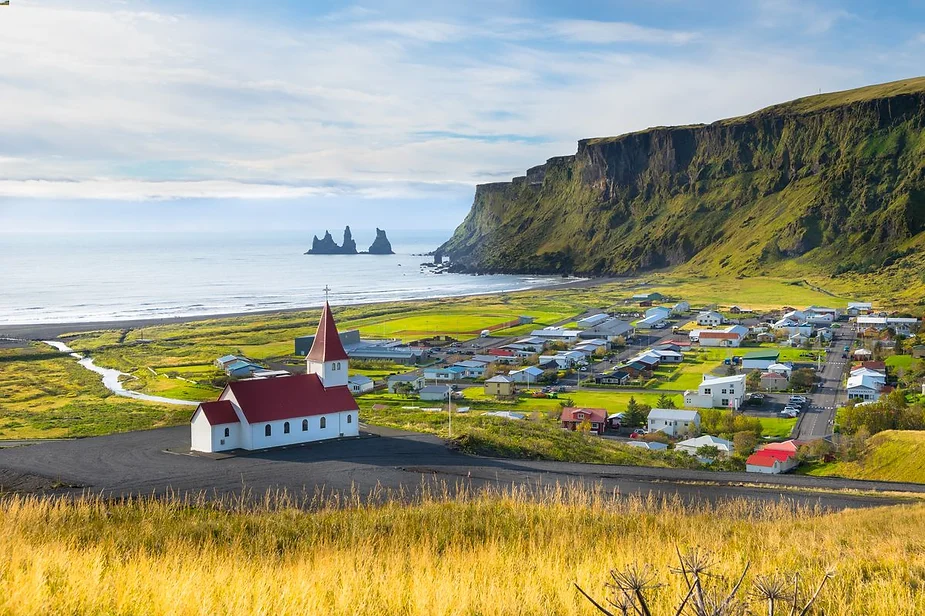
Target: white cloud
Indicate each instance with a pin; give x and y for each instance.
(104, 104)
(605, 32)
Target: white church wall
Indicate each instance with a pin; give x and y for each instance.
(200, 432)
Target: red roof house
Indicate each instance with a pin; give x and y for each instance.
(327, 345)
(573, 417)
(771, 461)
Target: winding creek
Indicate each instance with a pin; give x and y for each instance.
(111, 377)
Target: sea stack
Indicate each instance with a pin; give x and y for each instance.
(381, 245)
(350, 246)
(327, 245)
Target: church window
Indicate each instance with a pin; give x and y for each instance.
(324, 423)
(268, 430)
(304, 425)
(286, 428)
(227, 432)
(349, 418)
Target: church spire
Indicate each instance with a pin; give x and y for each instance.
(327, 345)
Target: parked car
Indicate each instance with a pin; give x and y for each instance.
(798, 400)
(788, 414)
(639, 433)
(792, 409)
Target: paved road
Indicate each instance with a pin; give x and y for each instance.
(136, 463)
(818, 420)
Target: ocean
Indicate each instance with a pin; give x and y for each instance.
(79, 277)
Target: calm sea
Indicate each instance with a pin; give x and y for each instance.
(46, 278)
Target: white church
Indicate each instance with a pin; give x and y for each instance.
(269, 412)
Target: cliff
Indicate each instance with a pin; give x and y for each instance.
(834, 182)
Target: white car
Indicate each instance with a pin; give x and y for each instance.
(792, 409)
(788, 414)
(797, 399)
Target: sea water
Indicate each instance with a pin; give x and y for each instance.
(58, 278)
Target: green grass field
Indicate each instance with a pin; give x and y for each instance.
(890, 456)
(899, 362)
(777, 427)
(54, 398)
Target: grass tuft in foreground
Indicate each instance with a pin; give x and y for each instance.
(497, 551)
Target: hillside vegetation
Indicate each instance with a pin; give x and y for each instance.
(893, 455)
(486, 553)
(830, 185)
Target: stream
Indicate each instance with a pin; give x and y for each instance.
(111, 378)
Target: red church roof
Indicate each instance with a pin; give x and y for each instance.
(327, 345)
(221, 412)
(289, 396)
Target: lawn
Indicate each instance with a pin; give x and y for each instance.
(890, 456)
(777, 427)
(899, 362)
(754, 293)
(613, 401)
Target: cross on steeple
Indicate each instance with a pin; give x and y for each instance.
(326, 290)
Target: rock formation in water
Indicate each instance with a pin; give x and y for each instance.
(381, 245)
(327, 245)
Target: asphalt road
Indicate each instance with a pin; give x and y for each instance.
(136, 463)
(818, 420)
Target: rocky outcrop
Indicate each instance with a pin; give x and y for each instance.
(381, 245)
(327, 245)
(833, 182)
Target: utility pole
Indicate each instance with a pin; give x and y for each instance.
(449, 409)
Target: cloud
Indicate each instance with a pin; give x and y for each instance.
(608, 32)
(142, 104)
(801, 15)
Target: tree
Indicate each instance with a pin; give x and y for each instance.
(803, 379)
(744, 442)
(710, 452)
(753, 380)
(635, 415)
(666, 402)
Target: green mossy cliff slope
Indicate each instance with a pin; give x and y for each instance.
(832, 183)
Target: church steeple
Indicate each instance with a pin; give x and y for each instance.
(327, 357)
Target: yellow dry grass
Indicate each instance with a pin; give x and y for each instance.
(486, 553)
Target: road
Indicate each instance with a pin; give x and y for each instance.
(137, 463)
(818, 420)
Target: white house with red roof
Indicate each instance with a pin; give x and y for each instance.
(774, 458)
(261, 413)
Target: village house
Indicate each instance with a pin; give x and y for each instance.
(637, 370)
(435, 393)
(396, 381)
(691, 445)
(528, 375)
(610, 330)
(500, 386)
(360, 384)
(710, 318)
(674, 422)
(680, 308)
(654, 296)
(918, 351)
(472, 369)
(774, 458)
(774, 381)
(650, 445)
(572, 418)
(503, 356)
(593, 320)
(760, 360)
(731, 336)
(556, 333)
(717, 392)
(866, 385)
(901, 325)
(858, 308)
(287, 410)
(443, 374)
(616, 377)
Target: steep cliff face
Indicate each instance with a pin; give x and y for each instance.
(834, 182)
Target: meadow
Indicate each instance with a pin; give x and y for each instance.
(892, 455)
(490, 552)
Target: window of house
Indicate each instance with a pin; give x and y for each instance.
(268, 430)
(304, 425)
(724, 402)
(286, 428)
(708, 391)
(349, 418)
(324, 423)
(724, 391)
(227, 432)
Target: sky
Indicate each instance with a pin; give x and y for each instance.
(281, 115)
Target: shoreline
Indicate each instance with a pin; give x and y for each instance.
(48, 331)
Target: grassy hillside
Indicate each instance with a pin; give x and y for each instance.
(486, 554)
(832, 185)
(890, 456)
